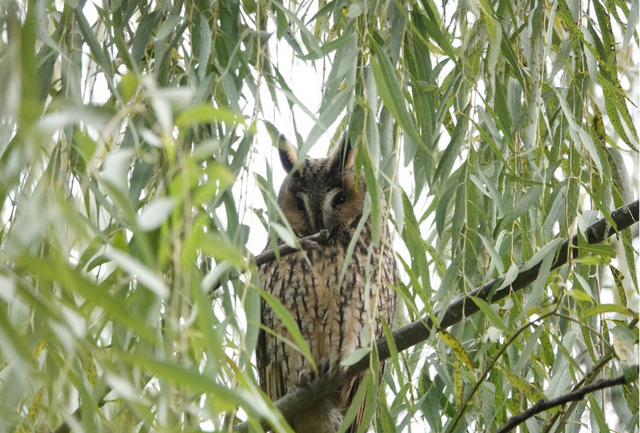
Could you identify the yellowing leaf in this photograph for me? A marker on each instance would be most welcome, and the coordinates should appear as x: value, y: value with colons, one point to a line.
x: 580, y: 295
x: 457, y: 382
x: 529, y: 390
x: 618, y: 277
x: 88, y: 366
x: 624, y: 343
x: 457, y: 348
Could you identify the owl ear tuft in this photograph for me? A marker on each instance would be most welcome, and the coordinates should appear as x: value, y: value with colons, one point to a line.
x: 342, y: 157
x: 288, y: 153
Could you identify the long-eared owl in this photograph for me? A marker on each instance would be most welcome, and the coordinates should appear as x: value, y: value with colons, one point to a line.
x: 336, y: 312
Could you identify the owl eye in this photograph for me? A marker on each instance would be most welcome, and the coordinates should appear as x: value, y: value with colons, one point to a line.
x: 300, y: 204
x: 339, y: 199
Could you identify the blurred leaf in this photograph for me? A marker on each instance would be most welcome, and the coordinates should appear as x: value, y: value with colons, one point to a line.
x: 224, y: 251
x: 155, y: 214
x: 208, y: 114
x: 372, y: 188
x: 146, y: 276
x: 73, y: 282
x: 116, y: 168
x: 355, y: 356
x: 183, y: 375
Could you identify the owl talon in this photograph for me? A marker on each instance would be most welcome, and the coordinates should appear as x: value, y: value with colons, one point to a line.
x: 305, y: 378
x: 323, y: 367
x: 308, y: 378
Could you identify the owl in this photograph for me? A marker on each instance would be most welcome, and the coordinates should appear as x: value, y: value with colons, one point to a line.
x: 336, y: 312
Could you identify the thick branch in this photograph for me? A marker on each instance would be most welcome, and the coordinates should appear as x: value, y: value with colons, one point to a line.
x: 419, y: 331
x: 543, y: 405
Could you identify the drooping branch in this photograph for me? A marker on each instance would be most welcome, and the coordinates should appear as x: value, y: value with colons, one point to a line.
x: 306, y: 243
x: 420, y: 330
x: 575, y: 395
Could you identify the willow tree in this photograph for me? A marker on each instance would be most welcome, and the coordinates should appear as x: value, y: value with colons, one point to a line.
x: 495, y: 130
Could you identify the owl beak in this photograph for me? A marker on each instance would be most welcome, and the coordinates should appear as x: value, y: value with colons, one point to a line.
x: 325, y: 221
x: 318, y: 221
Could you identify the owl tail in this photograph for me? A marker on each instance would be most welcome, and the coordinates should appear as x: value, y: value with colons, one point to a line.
x: 323, y: 417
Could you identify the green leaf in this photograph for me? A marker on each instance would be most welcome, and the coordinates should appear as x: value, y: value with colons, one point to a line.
x: 173, y: 372
x: 168, y: 26
x: 608, y: 308
x: 356, y: 402
x: 224, y: 251
x: 391, y: 93
x: 489, y: 313
x: 355, y: 356
x: 75, y: 283
x: 374, y: 194
x: 524, y: 204
x: 495, y: 257
x: 207, y: 114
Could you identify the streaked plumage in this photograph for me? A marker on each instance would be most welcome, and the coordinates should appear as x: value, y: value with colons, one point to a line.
x: 335, y: 315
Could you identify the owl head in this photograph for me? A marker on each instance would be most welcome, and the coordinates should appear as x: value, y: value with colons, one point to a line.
x: 321, y: 193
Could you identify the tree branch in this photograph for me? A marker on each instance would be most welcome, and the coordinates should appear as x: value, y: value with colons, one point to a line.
x: 308, y: 243
x: 543, y: 405
x: 419, y: 331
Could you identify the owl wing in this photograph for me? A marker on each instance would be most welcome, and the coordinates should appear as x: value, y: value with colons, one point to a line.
x: 272, y: 380
x: 262, y: 360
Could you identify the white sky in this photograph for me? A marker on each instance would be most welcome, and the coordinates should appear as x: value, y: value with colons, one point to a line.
x: 306, y: 83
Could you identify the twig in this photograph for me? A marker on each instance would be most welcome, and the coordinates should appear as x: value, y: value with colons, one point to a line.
x: 419, y: 331
x: 543, y: 405
x: 307, y: 243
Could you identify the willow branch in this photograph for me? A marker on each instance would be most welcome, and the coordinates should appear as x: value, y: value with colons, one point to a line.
x: 543, y: 405
x: 307, y: 243
x: 420, y: 330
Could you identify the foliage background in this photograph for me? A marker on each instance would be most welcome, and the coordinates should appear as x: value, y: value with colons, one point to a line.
x: 132, y: 145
